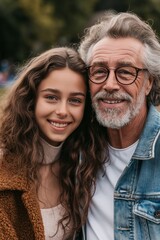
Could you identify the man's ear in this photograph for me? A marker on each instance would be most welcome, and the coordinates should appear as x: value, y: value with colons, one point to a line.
x: 149, y: 85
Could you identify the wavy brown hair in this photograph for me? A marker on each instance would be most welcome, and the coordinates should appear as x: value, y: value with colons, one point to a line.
x: 81, y: 156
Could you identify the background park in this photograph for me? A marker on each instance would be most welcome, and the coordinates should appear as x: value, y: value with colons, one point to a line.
x: 29, y: 27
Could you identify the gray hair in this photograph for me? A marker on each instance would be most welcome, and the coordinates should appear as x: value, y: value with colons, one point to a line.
x: 122, y: 25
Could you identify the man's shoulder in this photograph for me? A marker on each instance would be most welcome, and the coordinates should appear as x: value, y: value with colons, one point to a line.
x: 158, y: 108
x: 153, y: 118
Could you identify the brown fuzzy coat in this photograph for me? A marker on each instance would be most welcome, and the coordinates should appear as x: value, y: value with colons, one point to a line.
x: 20, y: 217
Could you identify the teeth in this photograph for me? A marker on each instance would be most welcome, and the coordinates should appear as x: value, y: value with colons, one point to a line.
x: 60, y: 125
x: 112, y: 102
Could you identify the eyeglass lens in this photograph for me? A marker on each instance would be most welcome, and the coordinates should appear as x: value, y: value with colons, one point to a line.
x: 124, y: 75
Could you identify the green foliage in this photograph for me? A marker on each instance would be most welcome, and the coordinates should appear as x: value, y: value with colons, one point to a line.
x: 26, y: 25
x: 74, y: 15
x: 31, y: 26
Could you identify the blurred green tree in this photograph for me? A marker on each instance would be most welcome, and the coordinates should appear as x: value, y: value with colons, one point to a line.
x: 29, y: 26
x: 25, y: 25
x: 74, y: 16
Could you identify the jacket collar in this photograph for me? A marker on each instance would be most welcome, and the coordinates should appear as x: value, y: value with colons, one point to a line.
x: 10, y: 181
x: 146, y: 146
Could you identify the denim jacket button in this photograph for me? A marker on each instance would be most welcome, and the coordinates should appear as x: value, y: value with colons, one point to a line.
x: 157, y: 214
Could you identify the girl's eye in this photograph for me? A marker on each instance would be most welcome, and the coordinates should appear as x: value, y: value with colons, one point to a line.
x: 75, y: 101
x: 51, y: 97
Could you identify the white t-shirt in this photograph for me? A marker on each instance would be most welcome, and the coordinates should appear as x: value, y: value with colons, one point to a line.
x: 100, y: 218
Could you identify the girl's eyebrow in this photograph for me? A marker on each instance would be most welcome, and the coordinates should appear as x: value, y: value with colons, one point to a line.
x: 58, y: 92
x: 50, y: 90
x: 78, y: 93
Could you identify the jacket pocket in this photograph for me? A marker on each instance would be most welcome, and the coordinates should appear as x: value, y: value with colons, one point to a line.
x: 149, y: 210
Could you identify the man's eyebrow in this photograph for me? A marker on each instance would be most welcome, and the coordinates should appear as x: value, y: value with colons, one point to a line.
x: 100, y: 63
x: 51, y: 90
x: 119, y: 63
x: 124, y: 63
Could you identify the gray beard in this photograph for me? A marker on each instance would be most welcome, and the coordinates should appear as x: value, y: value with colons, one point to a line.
x: 116, y: 118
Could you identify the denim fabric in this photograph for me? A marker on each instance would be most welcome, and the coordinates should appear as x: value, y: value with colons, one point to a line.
x: 137, y: 192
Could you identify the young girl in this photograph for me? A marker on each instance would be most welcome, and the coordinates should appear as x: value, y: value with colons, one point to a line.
x: 44, y: 183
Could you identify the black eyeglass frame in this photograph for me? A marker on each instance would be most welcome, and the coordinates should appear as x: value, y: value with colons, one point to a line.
x: 115, y: 70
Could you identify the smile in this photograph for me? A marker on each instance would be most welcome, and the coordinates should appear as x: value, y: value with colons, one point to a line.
x: 59, y: 125
x: 112, y: 101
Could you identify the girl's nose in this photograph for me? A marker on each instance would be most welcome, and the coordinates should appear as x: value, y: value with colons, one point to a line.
x: 62, y: 109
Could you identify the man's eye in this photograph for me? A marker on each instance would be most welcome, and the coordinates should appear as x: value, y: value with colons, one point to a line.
x: 100, y: 71
x: 123, y: 71
x: 126, y: 71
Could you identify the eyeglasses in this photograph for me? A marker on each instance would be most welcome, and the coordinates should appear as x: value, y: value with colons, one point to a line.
x: 124, y: 75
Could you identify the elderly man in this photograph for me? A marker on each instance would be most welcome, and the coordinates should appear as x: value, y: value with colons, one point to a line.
x: 123, y: 58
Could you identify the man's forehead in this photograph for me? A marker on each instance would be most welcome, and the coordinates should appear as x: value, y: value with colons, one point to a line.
x: 121, y: 50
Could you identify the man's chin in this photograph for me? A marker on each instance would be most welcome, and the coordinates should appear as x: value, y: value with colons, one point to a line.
x: 115, y: 121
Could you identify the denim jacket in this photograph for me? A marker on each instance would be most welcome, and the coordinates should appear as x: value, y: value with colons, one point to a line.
x: 137, y: 192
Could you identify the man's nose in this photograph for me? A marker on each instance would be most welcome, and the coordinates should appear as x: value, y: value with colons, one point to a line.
x: 111, y: 83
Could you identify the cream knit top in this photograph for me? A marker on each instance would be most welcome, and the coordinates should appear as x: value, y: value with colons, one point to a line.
x: 51, y: 216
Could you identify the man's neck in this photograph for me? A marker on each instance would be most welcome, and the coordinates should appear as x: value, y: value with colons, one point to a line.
x: 129, y: 134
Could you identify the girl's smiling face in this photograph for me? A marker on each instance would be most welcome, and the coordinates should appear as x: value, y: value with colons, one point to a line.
x: 60, y: 104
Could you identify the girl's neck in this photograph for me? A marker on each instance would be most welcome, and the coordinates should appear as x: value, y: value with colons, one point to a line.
x: 51, y: 153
